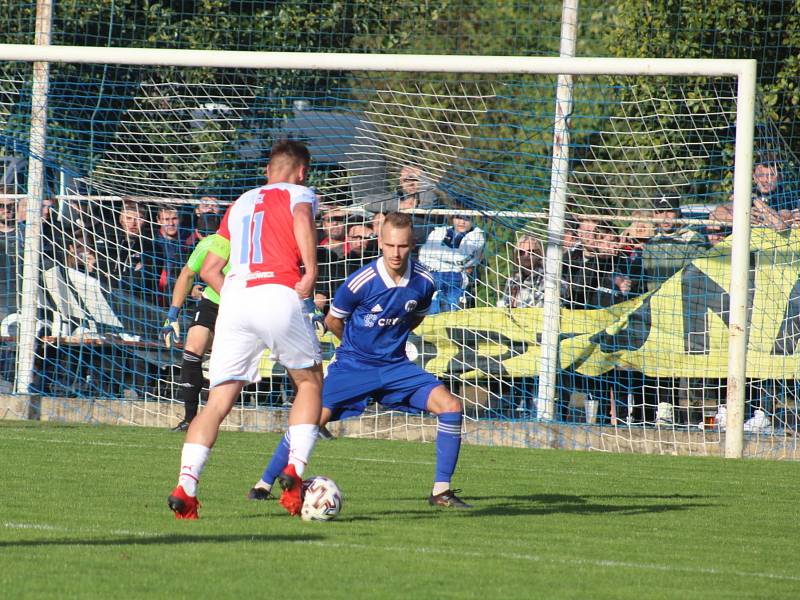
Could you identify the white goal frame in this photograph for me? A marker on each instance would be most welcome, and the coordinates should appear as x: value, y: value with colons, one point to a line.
x: 743, y: 70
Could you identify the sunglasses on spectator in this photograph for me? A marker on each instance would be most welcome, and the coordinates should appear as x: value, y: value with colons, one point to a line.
x: 361, y: 237
x: 6, y: 205
x: 333, y: 219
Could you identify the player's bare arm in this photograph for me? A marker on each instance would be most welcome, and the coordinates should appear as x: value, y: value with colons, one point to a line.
x: 183, y: 286
x: 335, y: 325
x: 211, y: 271
x: 306, y: 235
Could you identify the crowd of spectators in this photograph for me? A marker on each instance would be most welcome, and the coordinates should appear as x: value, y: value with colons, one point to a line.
x: 610, y: 260
x: 136, y: 251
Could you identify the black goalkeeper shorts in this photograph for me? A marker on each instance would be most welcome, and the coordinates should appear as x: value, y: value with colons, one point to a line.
x: 206, y: 314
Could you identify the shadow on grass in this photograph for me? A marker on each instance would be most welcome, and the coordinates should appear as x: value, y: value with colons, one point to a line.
x: 626, y: 504
x: 548, y: 504
x: 166, y: 540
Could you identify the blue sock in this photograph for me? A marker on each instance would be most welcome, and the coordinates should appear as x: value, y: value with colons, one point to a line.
x: 448, y: 445
x: 278, y: 462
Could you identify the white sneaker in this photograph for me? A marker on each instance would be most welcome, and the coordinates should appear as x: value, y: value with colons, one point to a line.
x: 721, y: 417
x: 664, y: 414
x: 758, y: 423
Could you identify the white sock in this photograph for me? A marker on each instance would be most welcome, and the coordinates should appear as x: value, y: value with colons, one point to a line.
x: 263, y: 485
x: 193, y: 461
x: 439, y: 487
x: 301, y: 443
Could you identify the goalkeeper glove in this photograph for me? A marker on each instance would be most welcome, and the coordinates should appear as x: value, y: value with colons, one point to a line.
x: 315, y: 316
x: 171, y: 329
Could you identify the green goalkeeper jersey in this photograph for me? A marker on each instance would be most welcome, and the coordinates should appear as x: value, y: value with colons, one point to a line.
x: 216, y: 244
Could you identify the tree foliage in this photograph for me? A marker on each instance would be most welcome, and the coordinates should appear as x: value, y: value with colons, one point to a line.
x: 766, y: 31
x: 509, y: 164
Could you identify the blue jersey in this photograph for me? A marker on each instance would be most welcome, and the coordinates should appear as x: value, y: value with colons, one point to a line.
x: 379, y: 313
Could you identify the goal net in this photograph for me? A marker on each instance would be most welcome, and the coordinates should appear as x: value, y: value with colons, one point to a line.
x: 141, y: 161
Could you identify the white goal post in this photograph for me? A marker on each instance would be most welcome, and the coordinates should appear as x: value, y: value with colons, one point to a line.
x: 743, y: 70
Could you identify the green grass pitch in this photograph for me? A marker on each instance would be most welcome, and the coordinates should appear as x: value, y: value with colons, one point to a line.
x: 83, y: 515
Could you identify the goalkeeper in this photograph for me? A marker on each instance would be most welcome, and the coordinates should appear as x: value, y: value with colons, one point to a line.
x: 201, y: 330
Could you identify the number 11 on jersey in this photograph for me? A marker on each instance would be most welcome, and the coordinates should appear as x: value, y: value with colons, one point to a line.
x: 251, y: 252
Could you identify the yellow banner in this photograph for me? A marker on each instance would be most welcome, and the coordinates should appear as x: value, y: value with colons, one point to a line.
x: 679, y: 330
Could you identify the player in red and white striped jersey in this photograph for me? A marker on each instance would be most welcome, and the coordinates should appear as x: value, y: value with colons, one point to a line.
x: 272, y: 234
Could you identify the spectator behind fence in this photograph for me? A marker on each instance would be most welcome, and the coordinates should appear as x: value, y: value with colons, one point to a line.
x: 769, y: 191
x: 451, y: 254
x: 771, y: 205
x: 672, y: 246
x: 80, y: 256
x: 334, y: 230
x: 594, y: 276
x: 170, y: 253
x: 361, y: 247
x: 207, y: 205
x: 330, y: 255
x: 629, y: 260
x: 525, y: 288
x: 415, y: 190
x: 591, y: 275
x: 415, y: 187
x: 126, y: 255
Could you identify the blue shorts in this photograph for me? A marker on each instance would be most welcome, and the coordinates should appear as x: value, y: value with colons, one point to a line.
x: 349, y: 385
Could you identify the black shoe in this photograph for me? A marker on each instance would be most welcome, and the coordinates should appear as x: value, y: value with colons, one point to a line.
x: 182, y: 426
x: 448, y: 499
x: 259, y: 494
x: 324, y: 434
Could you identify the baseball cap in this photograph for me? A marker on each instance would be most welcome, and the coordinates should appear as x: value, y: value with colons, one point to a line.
x: 208, y: 223
x: 667, y: 202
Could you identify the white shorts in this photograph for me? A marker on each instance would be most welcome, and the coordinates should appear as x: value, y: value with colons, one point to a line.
x: 253, y: 319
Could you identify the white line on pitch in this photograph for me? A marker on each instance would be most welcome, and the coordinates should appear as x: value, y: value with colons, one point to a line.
x: 540, y: 468
x: 556, y: 560
x: 44, y: 527
x: 177, y: 448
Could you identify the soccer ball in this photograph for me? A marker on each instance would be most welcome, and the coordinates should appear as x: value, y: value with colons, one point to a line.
x: 322, y: 499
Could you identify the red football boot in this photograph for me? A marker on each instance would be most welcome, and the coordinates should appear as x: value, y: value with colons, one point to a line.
x: 292, y: 486
x: 182, y: 504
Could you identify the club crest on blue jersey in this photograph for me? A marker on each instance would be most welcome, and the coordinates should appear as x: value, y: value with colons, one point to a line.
x: 411, y: 305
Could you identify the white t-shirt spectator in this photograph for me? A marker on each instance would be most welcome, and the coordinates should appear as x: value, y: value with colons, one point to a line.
x: 457, y: 257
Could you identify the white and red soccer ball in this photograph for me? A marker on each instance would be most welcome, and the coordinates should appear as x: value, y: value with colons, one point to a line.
x: 322, y: 499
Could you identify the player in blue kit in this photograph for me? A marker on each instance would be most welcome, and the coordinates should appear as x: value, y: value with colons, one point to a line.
x: 372, y: 314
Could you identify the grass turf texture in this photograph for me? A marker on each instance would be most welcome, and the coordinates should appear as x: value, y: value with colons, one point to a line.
x: 83, y: 514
